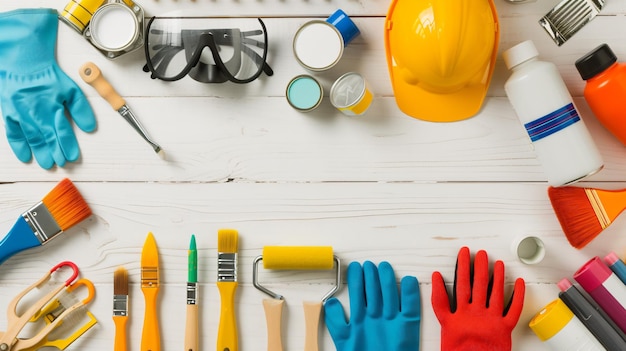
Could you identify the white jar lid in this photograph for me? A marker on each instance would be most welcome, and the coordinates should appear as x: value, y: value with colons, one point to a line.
x: 519, y: 53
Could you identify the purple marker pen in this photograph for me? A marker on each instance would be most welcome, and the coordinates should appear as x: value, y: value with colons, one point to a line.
x: 605, y: 288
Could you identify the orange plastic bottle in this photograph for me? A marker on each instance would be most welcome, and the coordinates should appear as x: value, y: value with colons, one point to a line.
x: 605, y: 90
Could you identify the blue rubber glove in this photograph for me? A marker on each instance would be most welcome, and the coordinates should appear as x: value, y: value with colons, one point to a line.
x: 380, y: 318
x: 34, y: 91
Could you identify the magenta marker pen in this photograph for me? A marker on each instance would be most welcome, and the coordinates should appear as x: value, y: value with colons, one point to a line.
x: 605, y: 288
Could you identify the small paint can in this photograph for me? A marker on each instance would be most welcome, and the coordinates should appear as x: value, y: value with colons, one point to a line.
x: 78, y: 13
x: 304, y: 93
x: 350, y: 94
x: 318, y: 45
x: 114, y: 27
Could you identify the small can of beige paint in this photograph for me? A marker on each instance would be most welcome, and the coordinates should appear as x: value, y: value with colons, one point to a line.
x: 350, y: 94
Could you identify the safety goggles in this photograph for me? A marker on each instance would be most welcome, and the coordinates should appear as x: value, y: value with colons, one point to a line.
x: 234, y: 50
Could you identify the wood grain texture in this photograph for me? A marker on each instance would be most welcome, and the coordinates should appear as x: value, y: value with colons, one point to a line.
x: 382, y: 186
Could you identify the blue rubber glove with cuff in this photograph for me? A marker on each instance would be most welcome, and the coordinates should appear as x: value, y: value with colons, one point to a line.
x: 35, y: 92
x: 381, y: 319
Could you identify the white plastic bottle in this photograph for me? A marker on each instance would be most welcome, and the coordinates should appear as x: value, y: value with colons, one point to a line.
x: 544, y: 106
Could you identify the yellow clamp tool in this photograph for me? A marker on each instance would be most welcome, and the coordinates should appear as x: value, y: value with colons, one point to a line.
x: 70, y: 324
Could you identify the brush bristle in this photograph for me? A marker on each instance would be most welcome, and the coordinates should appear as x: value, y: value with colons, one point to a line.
x: 66, y: 204
x: 120, y: 281
x: 227, y: 240
x: 576, y: 214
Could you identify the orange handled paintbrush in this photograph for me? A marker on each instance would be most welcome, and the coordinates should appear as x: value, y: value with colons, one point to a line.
x: 150, y: 281
x: 62, y: 208
x: 120, y: 308
x: 585, y: 212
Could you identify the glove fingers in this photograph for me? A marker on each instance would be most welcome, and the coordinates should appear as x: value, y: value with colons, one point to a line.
x: 373, y: 294
x: 439, y: 297
x: 66, y: 147
x: 462, y: 279
x: 335, y: 318
x: 514, y: 310
x: 38, y: 145
x: 481, y: 278
x: 17, y: 140
x: 77, y: 104
x: 410, y: 297
x: 496, y: 300
x: 389, y: 290
x: 356, y: 291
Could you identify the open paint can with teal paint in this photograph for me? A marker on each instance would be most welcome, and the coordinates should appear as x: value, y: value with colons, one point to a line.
x: 304, y: 93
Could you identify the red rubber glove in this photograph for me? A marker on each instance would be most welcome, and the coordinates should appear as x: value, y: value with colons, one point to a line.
x: 476, y: 317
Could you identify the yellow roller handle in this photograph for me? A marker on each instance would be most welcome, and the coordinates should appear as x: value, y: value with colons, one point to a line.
x: 92, y: 75
x: 298, y: 257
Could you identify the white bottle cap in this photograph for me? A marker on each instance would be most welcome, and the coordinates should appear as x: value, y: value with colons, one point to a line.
x: 528, y: 249
x: 521, y: 52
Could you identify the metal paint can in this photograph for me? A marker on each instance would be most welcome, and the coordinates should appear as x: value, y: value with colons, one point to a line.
x: 350, y: 94
x: 304, y: 93
x: 318, y: 45
x: 114, y: 27
x: 78, y: 13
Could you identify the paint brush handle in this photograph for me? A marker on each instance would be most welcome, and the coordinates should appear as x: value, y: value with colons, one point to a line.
x: 120, y: 333
x: 227, y: 331
x: 191, y: 328
x: 19, y: 238
x: 273, y: 316
x: 92, y: 75
x: 150, y: 337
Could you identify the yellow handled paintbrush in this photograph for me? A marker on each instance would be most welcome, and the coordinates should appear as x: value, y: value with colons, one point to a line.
x: 227, y: 242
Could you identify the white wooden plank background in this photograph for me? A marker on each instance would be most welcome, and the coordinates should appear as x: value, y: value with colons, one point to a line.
x: 382, y: 186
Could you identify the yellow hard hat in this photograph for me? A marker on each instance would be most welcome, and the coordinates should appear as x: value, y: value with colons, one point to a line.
x: 441, y: 55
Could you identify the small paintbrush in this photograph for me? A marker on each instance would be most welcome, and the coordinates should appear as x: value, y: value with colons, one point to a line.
x: 120, y: 307
x: 191, y: 326
x: 585, y: 212
x: 227, y: 246
x: 62, y: 208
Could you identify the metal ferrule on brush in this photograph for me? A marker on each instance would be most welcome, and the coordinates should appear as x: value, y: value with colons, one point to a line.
x: 192, y: 293
x: 120, y: 305
x: 42, y: 223
x: 226, y: 267
x: 129, y: 116
x: 149, y: 277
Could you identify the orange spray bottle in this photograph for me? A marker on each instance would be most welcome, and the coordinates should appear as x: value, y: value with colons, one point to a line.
x: 605, y: 90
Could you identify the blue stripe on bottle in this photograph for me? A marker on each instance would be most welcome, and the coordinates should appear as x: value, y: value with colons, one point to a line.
x: 552, y: 122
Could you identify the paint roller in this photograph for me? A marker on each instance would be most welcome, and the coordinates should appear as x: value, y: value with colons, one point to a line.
x: 295, y: 258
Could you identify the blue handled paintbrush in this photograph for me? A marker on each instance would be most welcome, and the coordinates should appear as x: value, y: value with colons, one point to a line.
x: 62, y: 208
